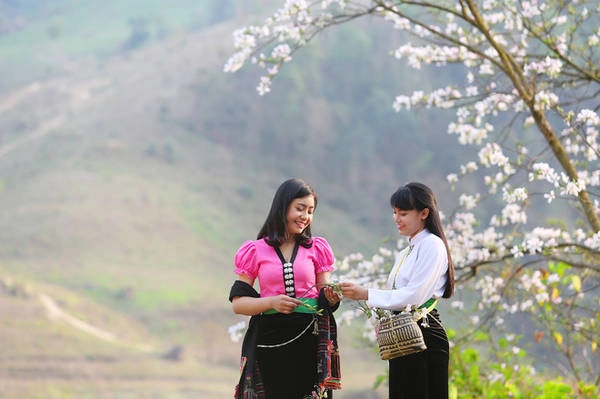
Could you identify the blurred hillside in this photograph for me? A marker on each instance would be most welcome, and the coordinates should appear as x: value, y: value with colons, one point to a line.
x: 132, y: 168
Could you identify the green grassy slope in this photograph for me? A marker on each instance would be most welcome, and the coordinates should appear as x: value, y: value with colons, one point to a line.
x: 128, y: 220
x: 97, y: 180
x: 78, y: 349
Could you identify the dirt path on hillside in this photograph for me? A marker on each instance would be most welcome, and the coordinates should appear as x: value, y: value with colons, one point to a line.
x: 77, y: 94
x: 56, y: 313
x: 15, y: 98
x: 40, y: 132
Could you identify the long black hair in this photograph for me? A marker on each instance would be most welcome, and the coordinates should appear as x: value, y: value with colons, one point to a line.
x: 418, y: 196
x: 274, y: 228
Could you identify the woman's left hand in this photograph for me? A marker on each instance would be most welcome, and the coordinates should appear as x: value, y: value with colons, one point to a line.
x: 332, y: 296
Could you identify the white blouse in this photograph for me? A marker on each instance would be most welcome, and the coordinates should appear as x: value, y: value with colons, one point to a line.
x: 422, y: 274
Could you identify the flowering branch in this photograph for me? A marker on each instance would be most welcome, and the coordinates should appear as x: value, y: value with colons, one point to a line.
x: 527, y: 109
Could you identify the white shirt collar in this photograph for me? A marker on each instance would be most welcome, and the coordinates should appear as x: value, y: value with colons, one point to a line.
x: 419, y: 237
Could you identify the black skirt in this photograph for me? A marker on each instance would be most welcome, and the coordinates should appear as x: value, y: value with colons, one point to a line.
x: 423, y: 375
x: 289, y: 369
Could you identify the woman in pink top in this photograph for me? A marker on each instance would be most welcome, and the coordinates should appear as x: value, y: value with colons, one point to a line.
x: 284, y: 354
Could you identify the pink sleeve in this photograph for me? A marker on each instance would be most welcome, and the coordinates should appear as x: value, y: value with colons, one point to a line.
x: 323, y: 255
x: 245, y: 260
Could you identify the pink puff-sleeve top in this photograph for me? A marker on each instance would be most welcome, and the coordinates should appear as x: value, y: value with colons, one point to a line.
x: 257, y: 259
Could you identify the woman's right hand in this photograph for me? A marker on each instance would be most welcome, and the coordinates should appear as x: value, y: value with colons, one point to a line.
x: 284, y: 304
x: 354, y: 291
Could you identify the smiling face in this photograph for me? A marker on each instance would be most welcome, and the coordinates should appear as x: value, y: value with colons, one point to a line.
x: 410, y: 222
x: 299, y: 215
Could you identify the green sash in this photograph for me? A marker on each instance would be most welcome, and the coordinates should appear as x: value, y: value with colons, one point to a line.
x: 310, y: 306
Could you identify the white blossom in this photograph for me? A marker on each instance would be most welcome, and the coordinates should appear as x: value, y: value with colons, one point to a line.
x: 236, y: 331
x: 588, y: 117
x: 452, y: 178
x: 468, y: 201
x: 264, y: 85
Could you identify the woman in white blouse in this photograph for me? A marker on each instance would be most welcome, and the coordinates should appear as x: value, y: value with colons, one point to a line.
x: 422, y: 273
